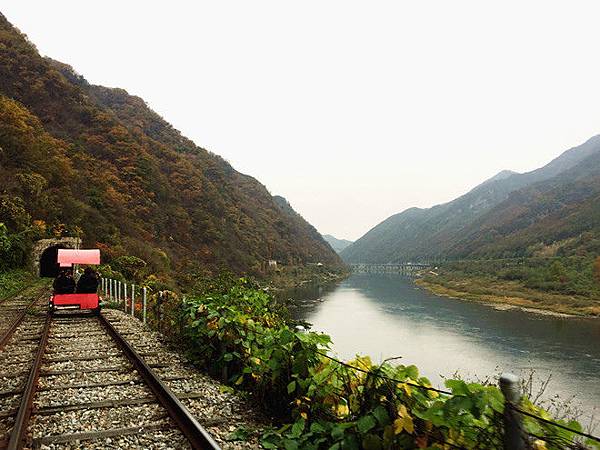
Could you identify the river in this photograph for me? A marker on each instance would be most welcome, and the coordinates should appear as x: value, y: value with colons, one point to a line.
x: 388, y: 316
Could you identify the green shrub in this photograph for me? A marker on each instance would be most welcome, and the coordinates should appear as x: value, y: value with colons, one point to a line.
x: 236, y: 333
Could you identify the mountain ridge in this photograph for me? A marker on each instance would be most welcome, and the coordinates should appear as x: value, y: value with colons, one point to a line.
x: 129, y: 181
x: 422, y: 234
x: 337, y: 244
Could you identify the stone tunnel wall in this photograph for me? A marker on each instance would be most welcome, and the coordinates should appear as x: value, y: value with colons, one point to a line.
x: 43, y: 244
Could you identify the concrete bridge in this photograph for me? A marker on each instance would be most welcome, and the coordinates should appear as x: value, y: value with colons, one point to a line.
x: 403, y: 268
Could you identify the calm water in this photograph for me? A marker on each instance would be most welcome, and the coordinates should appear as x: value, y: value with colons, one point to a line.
x: 387, y: 316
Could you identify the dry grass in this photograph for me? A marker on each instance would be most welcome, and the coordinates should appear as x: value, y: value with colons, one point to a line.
x: 511, y: 293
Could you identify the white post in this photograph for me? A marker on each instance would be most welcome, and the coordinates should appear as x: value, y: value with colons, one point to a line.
x: 125, y: 295
x: 144, y: 306
x: 133, y: 300
x: 119, y: 296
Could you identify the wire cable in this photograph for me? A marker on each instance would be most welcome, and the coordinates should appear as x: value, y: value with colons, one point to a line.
x: 550, y: 422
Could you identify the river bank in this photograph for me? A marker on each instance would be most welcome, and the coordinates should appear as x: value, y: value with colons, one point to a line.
x: 386, y: 316
x: 502, y: 294
x: 290, y: 278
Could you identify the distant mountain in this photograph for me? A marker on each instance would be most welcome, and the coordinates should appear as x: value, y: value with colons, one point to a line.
x: 445, y: 230
x: 337, y: 244
x: 558, y: 216
x: 82, y: 159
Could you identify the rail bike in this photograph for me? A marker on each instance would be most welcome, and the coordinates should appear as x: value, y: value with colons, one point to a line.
x: 76, y: 301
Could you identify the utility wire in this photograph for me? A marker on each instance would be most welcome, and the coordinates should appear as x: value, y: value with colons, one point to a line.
x: 385, y: 377
x: 550, y: 422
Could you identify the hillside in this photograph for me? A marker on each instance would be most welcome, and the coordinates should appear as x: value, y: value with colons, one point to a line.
x: 337, y: 244
x: 559, y: 216
x: 83, y: 159
x: 457, y: 228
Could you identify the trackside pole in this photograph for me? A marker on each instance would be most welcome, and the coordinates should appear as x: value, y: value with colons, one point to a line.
x: 133, y: 300
x: 513, y: 426
x: 125, y: 295
x: 144, y: 306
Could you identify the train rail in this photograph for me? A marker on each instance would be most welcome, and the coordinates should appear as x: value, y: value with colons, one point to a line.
x: 85, y: 385
x: 14, y: 310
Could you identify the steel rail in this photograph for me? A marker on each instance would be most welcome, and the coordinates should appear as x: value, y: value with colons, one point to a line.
x: 18, y: 319
x: 19, y: 431
x: 187, y: 423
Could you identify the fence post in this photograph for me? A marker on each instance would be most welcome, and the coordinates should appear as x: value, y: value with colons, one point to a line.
x: 513, y: 426
x: 110, y: 291
x: 133, y: 300
x: 159, y: 301
x: 144, y: 306
x: 119, y: 292
x: 125, y: 294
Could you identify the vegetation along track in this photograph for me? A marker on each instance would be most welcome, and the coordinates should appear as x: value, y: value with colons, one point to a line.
x: 87, y: 386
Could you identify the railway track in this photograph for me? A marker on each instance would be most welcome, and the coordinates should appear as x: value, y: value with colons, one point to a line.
x: 83, y: 385
x: 13, y: 311
x: 22, y: 326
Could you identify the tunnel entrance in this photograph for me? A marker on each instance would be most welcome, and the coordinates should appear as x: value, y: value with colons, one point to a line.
x: 48, y: 265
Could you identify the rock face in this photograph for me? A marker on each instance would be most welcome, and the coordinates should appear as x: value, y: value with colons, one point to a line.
x: 441, y: 231
x: 78, y: 156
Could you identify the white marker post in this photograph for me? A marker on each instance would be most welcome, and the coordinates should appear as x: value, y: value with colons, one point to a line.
x: 144, y: 306
x: 133, y: 300
x: 125, y: 295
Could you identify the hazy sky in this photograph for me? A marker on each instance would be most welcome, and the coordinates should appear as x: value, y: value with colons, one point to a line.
x: 351, y: 110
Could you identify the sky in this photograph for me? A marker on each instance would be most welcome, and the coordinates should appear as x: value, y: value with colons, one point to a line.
x: 353, y: 111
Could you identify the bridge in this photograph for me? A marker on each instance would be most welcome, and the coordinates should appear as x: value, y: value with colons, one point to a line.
x: 402, y: 268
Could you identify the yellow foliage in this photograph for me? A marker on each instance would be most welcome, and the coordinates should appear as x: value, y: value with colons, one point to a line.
x: 342, y: 410
x: 404, y: 422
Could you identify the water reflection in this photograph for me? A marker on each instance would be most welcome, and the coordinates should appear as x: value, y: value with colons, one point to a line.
x: 386, y: 316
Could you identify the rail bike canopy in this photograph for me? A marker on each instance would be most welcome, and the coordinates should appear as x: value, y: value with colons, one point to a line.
x: 68, y: 257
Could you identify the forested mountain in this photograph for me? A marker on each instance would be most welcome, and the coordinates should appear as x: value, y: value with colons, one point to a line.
x: 337, y: 244
x: 509, y: 215
x: 78, y: 158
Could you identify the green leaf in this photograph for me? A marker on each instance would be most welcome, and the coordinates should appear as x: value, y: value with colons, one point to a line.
x: 317, y: 428
x: 291, y: 387
x: 350, y: 443
x: 298, y: 427
x: 381, y: 415
x: 371, y: 442
x: 365, y: 423
x: 290, y: 444
x: 458, y: 387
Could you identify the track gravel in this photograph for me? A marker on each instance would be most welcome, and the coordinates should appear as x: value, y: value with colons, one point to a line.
x: 218, y: 410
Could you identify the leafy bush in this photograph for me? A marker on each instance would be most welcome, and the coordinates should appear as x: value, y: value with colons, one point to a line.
x: 11, y: 282
x: 236, y: 333
x: 13, y: 249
